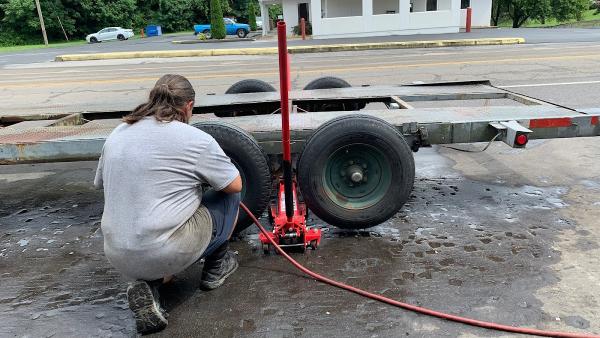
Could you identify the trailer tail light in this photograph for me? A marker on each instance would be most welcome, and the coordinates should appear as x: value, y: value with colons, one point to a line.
x: 521, y: 140
x: 513, y: 133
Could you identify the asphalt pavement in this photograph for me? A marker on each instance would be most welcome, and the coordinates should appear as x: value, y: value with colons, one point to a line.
x: 531, y: 35
x: 507, y: 235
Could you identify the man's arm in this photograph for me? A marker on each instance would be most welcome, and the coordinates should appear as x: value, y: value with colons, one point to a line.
x: 234, y: 187
x: 217, y: 170
x: 98, y: 182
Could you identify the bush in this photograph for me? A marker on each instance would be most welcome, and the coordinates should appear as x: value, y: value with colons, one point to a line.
x: 8, y: 39
x: 252, y: 16
x: 298, y: 31
x: 217, y: 25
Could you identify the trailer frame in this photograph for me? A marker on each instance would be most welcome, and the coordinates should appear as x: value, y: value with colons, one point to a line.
x: 79, y: 134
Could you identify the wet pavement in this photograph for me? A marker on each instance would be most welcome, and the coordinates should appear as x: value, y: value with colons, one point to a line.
x: 508, y: 235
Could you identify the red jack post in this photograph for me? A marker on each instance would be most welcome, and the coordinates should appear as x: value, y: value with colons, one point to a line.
x: 469, y: 15
x: 288, y: 212
x: 142, y: 33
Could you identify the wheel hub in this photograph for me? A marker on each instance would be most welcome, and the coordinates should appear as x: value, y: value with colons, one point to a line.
x: 356, y: 173
x: 357, y: 176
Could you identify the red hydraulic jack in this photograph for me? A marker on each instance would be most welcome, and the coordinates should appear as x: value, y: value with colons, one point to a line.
x: 288, y: 212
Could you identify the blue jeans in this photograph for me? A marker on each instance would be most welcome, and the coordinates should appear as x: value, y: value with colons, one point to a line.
x: 223, y: 210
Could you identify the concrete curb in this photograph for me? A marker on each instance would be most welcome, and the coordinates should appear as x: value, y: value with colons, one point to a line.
x: 189, y: 42
x: 292, y: 50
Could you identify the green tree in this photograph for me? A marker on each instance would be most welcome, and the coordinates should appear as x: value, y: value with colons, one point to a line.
x: 217, y: 26
x: 20, y: 19
x: 499, y: 11
x: 175, y: 15
x: 252, y: 16
x: 564, y: 10
x: 237, y: 8
x: 522, y: 10
x: 275, y: 11
x: 519, y: 11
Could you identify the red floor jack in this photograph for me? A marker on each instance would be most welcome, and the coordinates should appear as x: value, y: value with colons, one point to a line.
x: 288, y: 213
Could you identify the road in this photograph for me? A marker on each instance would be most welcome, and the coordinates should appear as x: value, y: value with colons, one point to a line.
x: 543, y: 69
x: 532, y: 36
x: 506, y: 235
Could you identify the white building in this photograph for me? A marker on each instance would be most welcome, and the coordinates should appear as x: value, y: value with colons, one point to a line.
x: 357, y: 18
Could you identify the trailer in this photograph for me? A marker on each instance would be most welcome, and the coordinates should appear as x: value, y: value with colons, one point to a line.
x: 352, y: 146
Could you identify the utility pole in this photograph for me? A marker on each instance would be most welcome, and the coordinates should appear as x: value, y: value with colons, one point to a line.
x: 39, y: 9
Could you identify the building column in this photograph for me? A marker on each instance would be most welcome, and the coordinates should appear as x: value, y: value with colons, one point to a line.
x: 316, y: 17
x: 264, y: 13
x: 404, y: 11
x: 367, y: 8
x: 455, y: 8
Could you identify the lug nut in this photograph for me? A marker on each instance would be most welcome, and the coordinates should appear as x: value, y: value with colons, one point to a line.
x: 356, y: 177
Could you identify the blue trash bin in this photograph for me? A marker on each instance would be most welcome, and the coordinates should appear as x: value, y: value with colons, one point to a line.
x: 153, y: 30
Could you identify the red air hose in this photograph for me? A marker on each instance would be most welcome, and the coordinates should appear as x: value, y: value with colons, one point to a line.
x: 468, y: 321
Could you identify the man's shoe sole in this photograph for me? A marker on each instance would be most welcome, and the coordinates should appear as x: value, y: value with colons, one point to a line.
x: 207, y: 286
x: 147, y: 313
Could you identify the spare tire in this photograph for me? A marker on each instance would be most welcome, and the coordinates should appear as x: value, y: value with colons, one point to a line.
x: 356, y: 171
x: 244, y: 87
x: 251, y: 161
x: 329, y: 82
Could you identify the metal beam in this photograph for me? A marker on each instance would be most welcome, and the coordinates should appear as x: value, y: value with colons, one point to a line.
x: 442, y: 126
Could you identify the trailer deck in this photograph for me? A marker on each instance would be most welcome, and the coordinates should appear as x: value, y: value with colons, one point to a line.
x: 78, y: 134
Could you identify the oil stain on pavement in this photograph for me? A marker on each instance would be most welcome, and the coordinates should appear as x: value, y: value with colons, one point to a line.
x: 474, y: 240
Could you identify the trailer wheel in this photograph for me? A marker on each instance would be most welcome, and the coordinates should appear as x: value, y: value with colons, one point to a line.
x: 329, y: 82
x: 248, y: 86
x: 356, y: 171
x: 247, y: 155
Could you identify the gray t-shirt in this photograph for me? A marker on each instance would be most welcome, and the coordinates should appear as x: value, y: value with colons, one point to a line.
x: 152, y: 173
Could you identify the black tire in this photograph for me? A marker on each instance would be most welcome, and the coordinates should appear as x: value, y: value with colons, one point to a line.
x: 248, y: 86
x: 206, y: 33
x: 329, y: 82
x: 121, y: 37
x: 251, y: 161
x: 93, y: 39
x: 241, y: 33
x: 340, y: 136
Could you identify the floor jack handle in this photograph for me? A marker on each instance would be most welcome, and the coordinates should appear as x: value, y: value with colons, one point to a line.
x: 284, y: 79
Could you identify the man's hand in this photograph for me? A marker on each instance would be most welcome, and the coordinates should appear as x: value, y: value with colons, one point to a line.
x: 234, y: 187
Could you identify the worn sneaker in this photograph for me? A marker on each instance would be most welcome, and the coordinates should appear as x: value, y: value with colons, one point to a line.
x: 144, y: 303
x: 215, y: 272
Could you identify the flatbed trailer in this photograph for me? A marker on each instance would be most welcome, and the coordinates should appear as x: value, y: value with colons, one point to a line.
x: 352, y: 145
x: 79, y: 135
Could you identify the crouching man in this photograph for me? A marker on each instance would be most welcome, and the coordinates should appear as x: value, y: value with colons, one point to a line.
x: 156, y: 220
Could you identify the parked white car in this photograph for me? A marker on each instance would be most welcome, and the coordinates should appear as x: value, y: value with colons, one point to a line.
x: 259, y: 22
x: 110, y: 33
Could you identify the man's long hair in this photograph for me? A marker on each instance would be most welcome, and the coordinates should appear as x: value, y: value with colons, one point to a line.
x: 166, y: 102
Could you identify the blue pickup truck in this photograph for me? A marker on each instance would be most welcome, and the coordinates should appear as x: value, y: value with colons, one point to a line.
x: 232, y: 27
